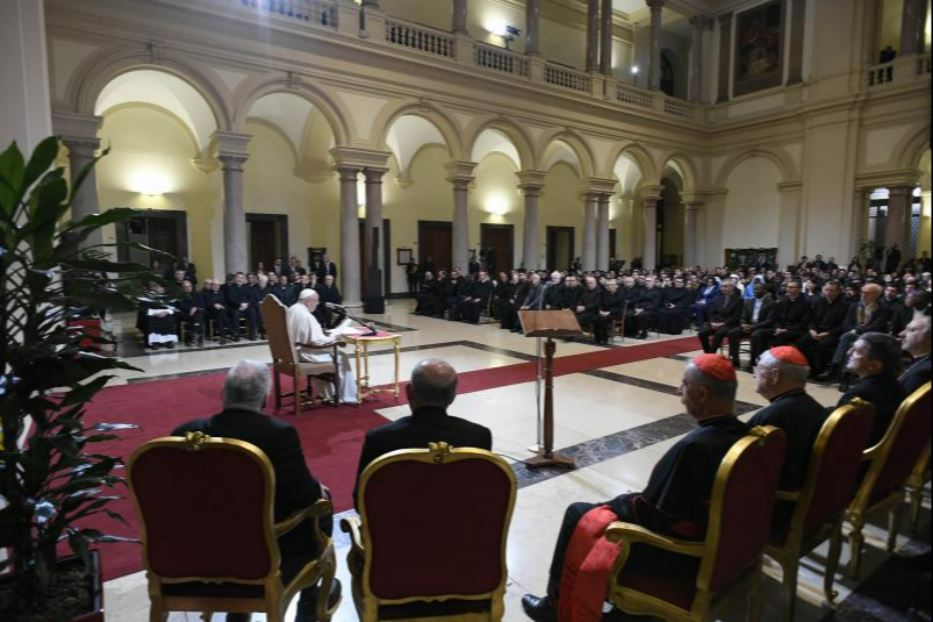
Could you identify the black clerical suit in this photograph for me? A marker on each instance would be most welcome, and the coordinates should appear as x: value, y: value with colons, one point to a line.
x: 427, y: 424
x: 725, y: 310
x: 478, y: 300
x: 589, y: 300
x: 885, y: 393
x: 217, y: 315
x: 825, y: 317
x: 791, y: 317
x: 749, y: 323
x: 328, y: 317
x: 238, y: 295
x: 676, y: 500
x: 570, y: 297
x: 286, y: 294
x: 259, y: 294
x: 917, y: 375
x: 295, y: 487
x: 427, y: 298
x: 554, y: 296
x: 611, y: 308
x: 645, y: 312
x: 672, y: 314
x: 801, y: 417
x: 191, y: 311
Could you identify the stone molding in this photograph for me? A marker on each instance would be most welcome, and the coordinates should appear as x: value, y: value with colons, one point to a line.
x: 359, y: 158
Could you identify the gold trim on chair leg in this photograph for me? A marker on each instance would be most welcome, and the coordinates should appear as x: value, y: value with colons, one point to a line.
x: 832, y: 563
x: 894, y: 517
x: 856, y: 541
x: 916, y: 502
x: 329, y: 567
x: 789, y: 570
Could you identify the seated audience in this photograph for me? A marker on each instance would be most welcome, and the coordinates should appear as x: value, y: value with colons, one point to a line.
x: 705, y: 297
x: 611, y: 308
x: 427, y: 296
x: 477, y: 300
x: 329, y: 295
x: 875, y: 358
x: 827, y: 318
x: 244, y: 395
x: 191, y: 312
x: 676, y: 500
x: 724, y: 315
x: 431, y: 391
x: 917, y: 344
x: 305, y: 329
x: 241, y: 305
x: 156, y: 321
x: 672, y: 315
x: 754, y: 316
x: 866, y: 316
x: 645, y: 312
x: 787, y: 322
x: 587, y: 308
x: 781, y: 377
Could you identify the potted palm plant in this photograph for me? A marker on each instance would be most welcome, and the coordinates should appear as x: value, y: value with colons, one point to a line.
x: 51, y: 480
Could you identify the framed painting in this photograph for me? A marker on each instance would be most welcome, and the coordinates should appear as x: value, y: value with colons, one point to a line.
x: 403, y: 256
x: 759, y: 47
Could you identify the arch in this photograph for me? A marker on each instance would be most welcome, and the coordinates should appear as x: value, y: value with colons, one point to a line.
x: 573, y: 140
x: 426, y: 110
x: 408, y: 134
x: 784, y: 164
x: 282, y: 134
x: 646, y: 166
x: 913, y: 149
x: 254, y: 90
x: 96, y: 72
x: 511, y: 130
x: 685, y: 169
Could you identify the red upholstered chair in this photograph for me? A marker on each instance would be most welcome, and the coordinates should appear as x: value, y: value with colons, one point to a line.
x: 210, y: 542
x: 433, y: 527
x: 891, y: 463
x: 285, y: 359
x: 804, y: 519
x: 682, y: 580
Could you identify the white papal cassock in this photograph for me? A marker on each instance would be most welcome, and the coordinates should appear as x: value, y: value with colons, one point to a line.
x: 303, y: 327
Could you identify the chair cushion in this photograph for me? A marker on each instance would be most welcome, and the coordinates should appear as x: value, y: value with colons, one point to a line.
x: 664, y: 575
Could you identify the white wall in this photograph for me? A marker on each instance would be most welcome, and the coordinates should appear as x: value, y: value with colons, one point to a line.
x: 752, y: 205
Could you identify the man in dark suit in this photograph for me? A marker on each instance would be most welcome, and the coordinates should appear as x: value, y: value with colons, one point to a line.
x: 240, y: 303
x: 781, y: 377
x: 868, y: 315
x: 827, y: 317
x: 244, y: 394
x: 754, y: 316
x: 326, y: 268
x: 725, y: 313
x: 787, y: 322
x: 917, y: 344
x: 874, y: 359
x: 430, y: 392
x: 478, y: 300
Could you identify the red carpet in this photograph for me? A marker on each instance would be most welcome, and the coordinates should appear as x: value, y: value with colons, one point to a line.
x: 331, y: 437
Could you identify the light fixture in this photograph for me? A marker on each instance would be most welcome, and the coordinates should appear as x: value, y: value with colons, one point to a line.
x: 149, y: 182
x: 503, y: 29
x: 634, y: 69
x: 497, y: 204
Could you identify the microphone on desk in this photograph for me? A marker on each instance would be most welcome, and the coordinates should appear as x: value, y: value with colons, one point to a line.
x: 369, y: 325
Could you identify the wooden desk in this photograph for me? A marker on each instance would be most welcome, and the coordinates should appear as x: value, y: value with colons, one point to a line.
x: 361, y: 345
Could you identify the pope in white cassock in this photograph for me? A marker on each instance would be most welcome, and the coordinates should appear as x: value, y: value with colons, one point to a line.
x: 303, y: 327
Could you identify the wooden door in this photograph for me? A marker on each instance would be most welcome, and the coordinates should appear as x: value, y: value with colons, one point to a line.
x: 435, y: 240
x: 497, y: 242
x: 384, y: 248
x: 560, y: 248
x: 267, y: 235
x: 612, y: 244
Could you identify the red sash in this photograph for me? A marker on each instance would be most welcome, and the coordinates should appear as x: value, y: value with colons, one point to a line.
x: 587, y: 566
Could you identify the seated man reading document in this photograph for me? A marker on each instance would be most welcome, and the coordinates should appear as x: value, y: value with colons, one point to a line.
x: 305, y: 329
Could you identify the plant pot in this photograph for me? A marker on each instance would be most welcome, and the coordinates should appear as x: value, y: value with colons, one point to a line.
x: 94, y: 611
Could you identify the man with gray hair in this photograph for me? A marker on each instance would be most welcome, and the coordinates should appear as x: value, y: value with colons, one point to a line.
x: 875, y: 359
x: 781, y: 376
x: 917, y: 344
x: 244, y: 395
x: 430, y: 392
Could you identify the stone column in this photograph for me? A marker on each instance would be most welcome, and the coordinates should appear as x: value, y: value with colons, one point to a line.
x: 78, y: 132
x: 650, y: 252
x: 459, y: 26
x: 605, y: 39
x: 897, y: 227
x: 602, y: 232
x: 654, y: 45
x: 531, y: 183
x: 373, y: 227
x: 725, y: 56
x: 460, y: 174
x: 25, y: 108
x: 349, y: 237
x: 592, y: 35
x: 232, y: 153
x: 912, y: 24
x: 795, y: 59
x: 691, y: 209
x: 588, y: 255
x: 532, y: 27
x: 700, y: 24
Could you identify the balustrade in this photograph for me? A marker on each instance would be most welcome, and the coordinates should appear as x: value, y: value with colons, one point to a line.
x: 421, y: 38
x: 319, y: 12
x: 567, y: 78
x: 635, y: 97
x: 492, y: 57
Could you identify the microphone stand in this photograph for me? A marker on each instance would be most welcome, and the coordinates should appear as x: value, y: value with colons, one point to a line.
x: 538, y: 374
x: 360, y: 321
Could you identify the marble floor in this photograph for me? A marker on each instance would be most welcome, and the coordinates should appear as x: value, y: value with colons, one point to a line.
x: 616, y: 421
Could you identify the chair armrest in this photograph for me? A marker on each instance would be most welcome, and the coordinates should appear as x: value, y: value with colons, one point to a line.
x: 788, y: 495
x: 351, y: 526
x: 629, y: 533
x: 318, y: 509
x: 871, y: 452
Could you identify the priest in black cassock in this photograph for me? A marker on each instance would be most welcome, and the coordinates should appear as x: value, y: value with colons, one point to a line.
x: 673, y: 312
x: 478, y: 299
x: 724, y: 315
x: 781, y: 376
x: 676, y: 500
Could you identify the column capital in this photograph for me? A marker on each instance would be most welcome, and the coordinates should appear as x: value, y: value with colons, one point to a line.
x: 656, y: 5
x: 374, y: 174
x: 76, y: 128
x: 460, y: 171
x: 360, y: 158
x: 790, y: 186
x: 701, y: 22
x: 651, y: 194
x: 231, y: 144
x: 531, y: 181
x: 900, y: 190
x: 596, y: 185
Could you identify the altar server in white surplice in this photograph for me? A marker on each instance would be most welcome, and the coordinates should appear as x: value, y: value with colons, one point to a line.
x: 303, y: 327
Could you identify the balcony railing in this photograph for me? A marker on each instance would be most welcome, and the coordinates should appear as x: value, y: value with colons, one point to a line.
x: 318, y: 12
x: 901, y: 70
x: 491, y: 57
x: 635, y: 96
x: 567, y: 78
x: 421, y: 38
x: 678, y: 107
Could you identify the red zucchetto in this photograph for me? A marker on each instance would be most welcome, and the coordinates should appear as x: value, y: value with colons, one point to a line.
x: 789, y: 355
x: 715, y: 366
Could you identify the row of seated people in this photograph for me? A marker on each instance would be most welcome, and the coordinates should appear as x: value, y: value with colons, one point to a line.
x: 455, y: 296
x: 164, y: 318
x: 675, y: 501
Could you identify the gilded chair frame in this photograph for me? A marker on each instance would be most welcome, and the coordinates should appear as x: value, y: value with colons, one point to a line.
x: 915, y: 483
x: 276, y: 595
x: 286, y: 360
x: 367, y: 603
x: 861, y: 507
x: 747, y: 581
x: 796, y: 543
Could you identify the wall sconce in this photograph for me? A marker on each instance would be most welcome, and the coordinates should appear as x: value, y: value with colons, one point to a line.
x: 149, y: 183
x: 497, y: 204
x: 506, y: 31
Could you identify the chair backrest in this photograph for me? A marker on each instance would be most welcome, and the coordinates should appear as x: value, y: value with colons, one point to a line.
x: 435, y: 523
x: 741, y: 505
x: 274, y: 318
x: 899, y: 449
x: 205, y: 507
x: 835, y: 462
